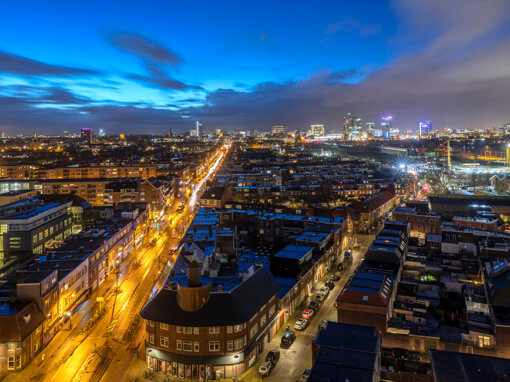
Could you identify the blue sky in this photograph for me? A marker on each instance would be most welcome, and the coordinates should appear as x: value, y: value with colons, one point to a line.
x: 137, y: 67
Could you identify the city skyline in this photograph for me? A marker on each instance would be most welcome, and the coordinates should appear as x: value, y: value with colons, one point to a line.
x: 123, y: 69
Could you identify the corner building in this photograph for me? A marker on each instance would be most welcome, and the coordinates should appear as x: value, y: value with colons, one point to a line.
x: 199, y: 328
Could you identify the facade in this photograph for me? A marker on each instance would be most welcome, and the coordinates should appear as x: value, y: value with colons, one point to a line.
x: 30, y: 225
x: 21, y: 334
x: 317, y: 130
x: 421, y: 223
x: 279, y: 129
x: 199, y: 329
x: 95, y: 172
x: 86, y: 135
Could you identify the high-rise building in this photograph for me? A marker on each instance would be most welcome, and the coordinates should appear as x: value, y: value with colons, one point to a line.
x: 199, y: 129
x: 370, y: 129
x: 425, y: 128
x: 386, y: 125
x: 352, y: 127
x: 86, y: 135
x: 317, y: 130
x: 279, y: 129
x: 193, y: 132
x: 102, y: 133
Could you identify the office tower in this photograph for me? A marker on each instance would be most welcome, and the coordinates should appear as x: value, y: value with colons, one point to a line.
x: 425, y: 128
x: 193, y: 132
x: 199, y: 129
x: 279, y: 129
x: 352, y: 126
x: 370, y: 129
x: 317, y: 130
x: 170, y: 134
x: 386, y: 125
x: 102, y: 133
x: 86, y: 135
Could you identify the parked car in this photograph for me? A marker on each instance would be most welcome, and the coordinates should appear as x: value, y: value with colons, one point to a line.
x: 334, y: 277
x: 265, y: 368
x: 287, y: 338
x: 340, y: 267
x: 273, y: 356
x: 301, y: 324
x: 323, y: 324
x: 347, y: 255
x: 330, y: 285
x: 319, y: 297
x: 307, y: 314
x: 306, y: 375
x: 324, y: 290
x: 314, y: 305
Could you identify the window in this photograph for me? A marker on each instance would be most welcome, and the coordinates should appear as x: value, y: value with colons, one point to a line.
x: 151, y: 338
x: 214, y: 330
x: 239, y: 343
x: 179, y: 345
x: 163, y: 341
x: 214, y: 345
x: 151, y: 323
x: 230, y: 345
x: 187, y: 345
x: 271, y: 310
x: 163, y: 326
x: 262, y: 320
x: 187, y: 329
x: 196, y: 346
x: 18, y: 361
x: 238, y: 328
x: 10, y: 364
x: 196, y: 330
x: 179, y: 329
x: 230, y: 329
x: 253, y: 330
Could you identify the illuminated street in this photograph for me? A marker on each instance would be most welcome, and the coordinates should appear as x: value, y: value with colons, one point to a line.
x: 73, y: 356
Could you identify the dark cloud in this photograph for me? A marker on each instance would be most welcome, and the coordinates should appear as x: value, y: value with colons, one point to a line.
x: 163, y: 82
x: 155, y: 58
x: 144, y: 48
x: 22, y: 66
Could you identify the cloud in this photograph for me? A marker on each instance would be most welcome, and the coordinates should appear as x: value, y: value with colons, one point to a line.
x: 163, y: 82
x: 156, y: 60
x: 22, y: 66
x: 144, y: 48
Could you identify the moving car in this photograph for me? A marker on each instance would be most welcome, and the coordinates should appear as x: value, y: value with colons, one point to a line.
x: 265, y: 368
x: 307, y: 313
x: 301, y: 324
x: 323, y: 324
x: 287, y: 339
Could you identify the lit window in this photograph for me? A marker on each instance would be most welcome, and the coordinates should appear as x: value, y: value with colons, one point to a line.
x: 163, y: 341
x: 214, y: 345
x: 214, y: 330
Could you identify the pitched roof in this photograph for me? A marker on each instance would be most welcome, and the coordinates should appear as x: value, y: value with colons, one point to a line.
x: 222, y: 308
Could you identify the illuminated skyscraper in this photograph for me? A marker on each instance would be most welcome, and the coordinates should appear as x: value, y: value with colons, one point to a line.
x: 353, y: 127
x: 425, y: 129
x: 317, y: 130
x: 199, y: 129
x: 386, y: 125
x: 86, y: 135
x: 370, y: 129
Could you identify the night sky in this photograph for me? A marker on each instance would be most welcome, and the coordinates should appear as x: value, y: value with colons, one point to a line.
x: 146, y: 67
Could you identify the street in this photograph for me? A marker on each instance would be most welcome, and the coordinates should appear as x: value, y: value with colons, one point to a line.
x: 104, y: 353
x: 298, y: 357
